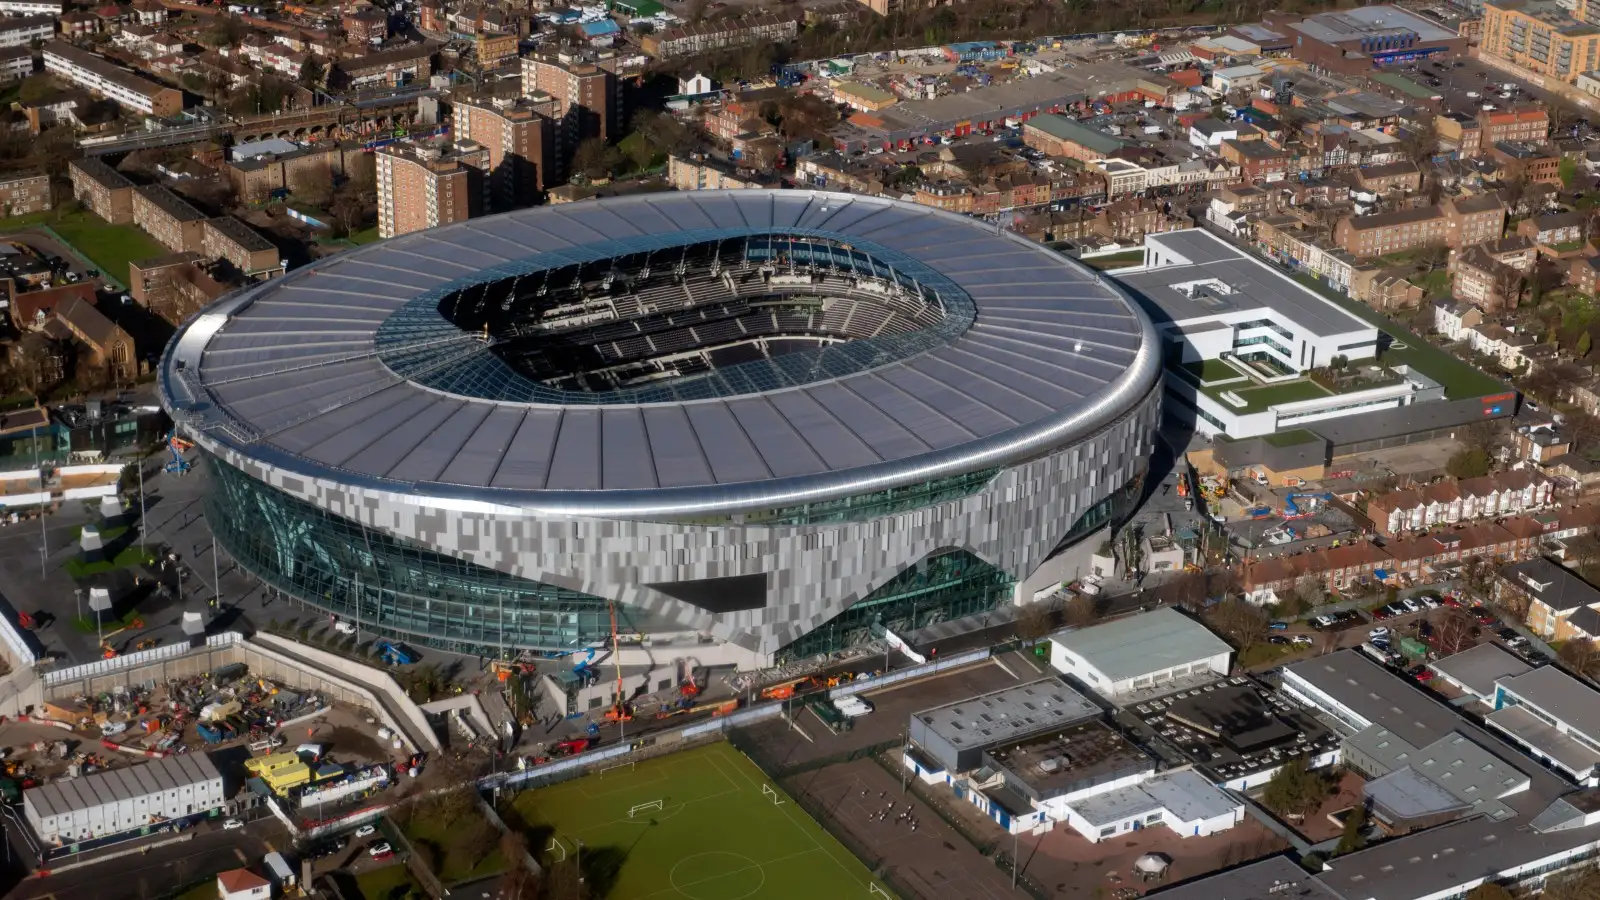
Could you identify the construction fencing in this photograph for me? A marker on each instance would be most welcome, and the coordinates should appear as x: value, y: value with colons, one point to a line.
x: 102, y: 667
x: 922, y: 671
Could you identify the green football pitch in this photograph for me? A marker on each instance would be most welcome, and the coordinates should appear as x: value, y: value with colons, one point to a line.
x: 704, y: 824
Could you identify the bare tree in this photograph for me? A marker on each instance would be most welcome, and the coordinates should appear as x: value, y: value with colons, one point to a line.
x: 1453, y: 632
x: 1240, y: 621
x: 1037, y: 619
x: 1580, y: 655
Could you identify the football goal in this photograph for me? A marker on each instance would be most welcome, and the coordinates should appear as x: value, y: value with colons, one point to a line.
x: 643, y: 807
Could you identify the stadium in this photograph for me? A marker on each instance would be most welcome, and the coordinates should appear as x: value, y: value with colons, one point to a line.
x: 775, y: 422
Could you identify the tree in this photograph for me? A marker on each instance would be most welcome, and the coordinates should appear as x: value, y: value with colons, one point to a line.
x: 1452, y: 632
x: 1489, y: 891
x: 518, y: 882
x: 662, y: 131
x: 1036, y: 620
x: 1472, y: 463
x: 35, y: 88
x: 1354, y: 836
x: 1080, y: 611
x: 316, y: 186
x: 595, y: 159
x: 1239, y: 621
x: 312, y: 72
x: 1581, y: 884
x: 1295, y: 790
x: 1580, y: 655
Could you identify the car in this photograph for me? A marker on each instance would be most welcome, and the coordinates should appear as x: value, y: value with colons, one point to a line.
x: 1381, y: 613
x: 1380, y: 632
x: 1506, y: 634
x: 231, y: 824
x: 1323, y: 621
x: 1278, y: 639
x: 1489, y: 622
x: 1473, y: 95
x: 344, y: 627
x: 1459, y: 64
x: 380, y: 850
x: 366, y: 831
x: 1278, y: 626
x: 1301, y: 640
x: 1423, y: 675
x: 1411, y: 605
x: 1450, y: 601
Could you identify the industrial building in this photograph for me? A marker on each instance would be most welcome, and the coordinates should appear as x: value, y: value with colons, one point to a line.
x: 106, y: 803
x: 784, y: 420
x: 1555, y: 717
x: 1148, y: 652
x: 1477, y: 670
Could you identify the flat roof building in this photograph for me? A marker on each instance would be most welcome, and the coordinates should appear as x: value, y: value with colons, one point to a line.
x: 1555, y: 717
x: 955, y: 735
x: 120, y: 800
x: 1237, y: 332
x: 1477, y: 670
x: 1140, y: 653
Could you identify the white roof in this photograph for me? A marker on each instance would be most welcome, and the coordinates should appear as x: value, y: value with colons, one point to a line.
x: 1139, y: 645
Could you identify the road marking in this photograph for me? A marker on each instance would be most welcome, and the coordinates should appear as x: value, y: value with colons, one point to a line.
x: 240, y: 853
x: 996, y: 661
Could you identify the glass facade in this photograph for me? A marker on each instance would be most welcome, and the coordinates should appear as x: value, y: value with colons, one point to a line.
x: 949, y: 584
x: 863, y: 506
x: 393, y: 587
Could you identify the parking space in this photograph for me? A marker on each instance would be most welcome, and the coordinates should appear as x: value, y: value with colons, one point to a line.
x: 1470, y: 87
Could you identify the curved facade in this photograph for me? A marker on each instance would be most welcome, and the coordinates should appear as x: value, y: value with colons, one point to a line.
x: 780, y: 418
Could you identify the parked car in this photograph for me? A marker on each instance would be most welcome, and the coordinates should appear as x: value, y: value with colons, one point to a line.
x: 366, y: 831
x: 1507, y: 634
x: 1278, y: 639
x: 380, y: 850
x: 1301, y: 640
x: 231, y: 824
x: 1278, y: 626
x: 1411, y: 605
x: 1381, y: 631
x: 1323, y: 622
x: 1381, y: 613
x: 1429, y: 602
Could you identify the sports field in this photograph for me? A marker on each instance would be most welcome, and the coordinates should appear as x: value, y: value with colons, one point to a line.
x: 721, y: 832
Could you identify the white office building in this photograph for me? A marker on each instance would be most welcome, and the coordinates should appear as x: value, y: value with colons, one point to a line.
x: 1240, y: 338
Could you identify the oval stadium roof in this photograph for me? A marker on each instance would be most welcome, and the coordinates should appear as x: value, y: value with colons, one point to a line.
x: 290, y: 374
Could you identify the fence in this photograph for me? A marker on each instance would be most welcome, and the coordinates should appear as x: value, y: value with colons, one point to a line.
x: 943, y: 665
x: 102, y: 667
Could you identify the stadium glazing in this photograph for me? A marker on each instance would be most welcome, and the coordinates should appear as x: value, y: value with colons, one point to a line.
x: 786, y: 419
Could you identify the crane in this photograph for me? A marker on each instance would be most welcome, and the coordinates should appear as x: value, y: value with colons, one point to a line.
x: 619, y: 711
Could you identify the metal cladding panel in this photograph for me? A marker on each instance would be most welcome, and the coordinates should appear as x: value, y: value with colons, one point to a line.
x: 885, y: 437
x: 802, y: 411
x: 782, y: 447
x: 958, y: 403
x: 323, y: 439
x: 680, y: 458
x: 625, y: 450
x: 526, y: 463
x: 440, y: 447
x: 577, y: 446
x: 477, y: 460
x: 733, y: 457
x: 417, y: 436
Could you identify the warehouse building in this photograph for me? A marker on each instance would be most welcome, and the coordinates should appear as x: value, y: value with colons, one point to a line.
x: 1139, y: 654
x: 119, y: 800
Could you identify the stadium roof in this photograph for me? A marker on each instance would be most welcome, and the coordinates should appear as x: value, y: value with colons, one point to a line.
x: 290, y: 374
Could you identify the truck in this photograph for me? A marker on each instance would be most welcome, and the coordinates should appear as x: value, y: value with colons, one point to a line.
x: 394, y: 654
x: 852, y: 707
x: 215, y: 732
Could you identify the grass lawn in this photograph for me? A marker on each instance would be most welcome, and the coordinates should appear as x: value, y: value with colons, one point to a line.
x: 1260, y: 398
x: 717, y: 836
x: 1435, y: 283
x: 130, y: 556
x: 1210, y: 371
x: 1292, y: 438
x: 381, y: 884
x: 205, y: 890
x: 109, y: 535
x: 445, y: 853
x: 1115, y: 260
x: 109, y: 247
x: 1460, y: 380
x: 364, y: 236
x: 1262, y: 653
